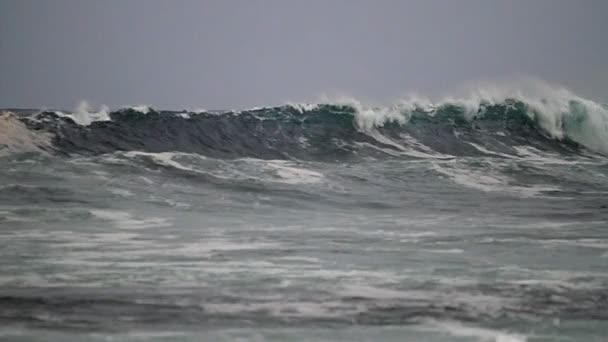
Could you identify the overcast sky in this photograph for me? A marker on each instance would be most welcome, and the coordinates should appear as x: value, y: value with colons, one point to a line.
x: 241, y: 53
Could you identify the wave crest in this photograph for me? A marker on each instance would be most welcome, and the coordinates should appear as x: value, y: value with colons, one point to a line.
x: 491, y: 120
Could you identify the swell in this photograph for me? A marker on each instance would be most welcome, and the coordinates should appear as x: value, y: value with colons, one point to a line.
x: 569, y: 125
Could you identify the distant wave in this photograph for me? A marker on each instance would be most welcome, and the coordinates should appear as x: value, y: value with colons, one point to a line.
x: 491, y: 120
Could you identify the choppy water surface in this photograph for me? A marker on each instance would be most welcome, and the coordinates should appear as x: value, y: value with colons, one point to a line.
x: 291, y: 224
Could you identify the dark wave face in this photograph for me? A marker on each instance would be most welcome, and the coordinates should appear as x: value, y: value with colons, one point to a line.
x: 477, y: 220
x: 321, y: 132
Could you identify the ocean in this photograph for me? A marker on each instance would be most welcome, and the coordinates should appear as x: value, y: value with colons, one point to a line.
x: 473, y: 219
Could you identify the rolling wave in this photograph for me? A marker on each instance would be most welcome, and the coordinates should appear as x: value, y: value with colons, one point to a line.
x: 485, y: 123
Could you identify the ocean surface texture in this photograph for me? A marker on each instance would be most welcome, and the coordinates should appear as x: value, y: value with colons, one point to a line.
x: 475, y: 219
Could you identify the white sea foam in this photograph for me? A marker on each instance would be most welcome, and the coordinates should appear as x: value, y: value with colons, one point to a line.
x: 290, y: 174
x: 125, y: 220
x: 146, y: 180
x: 282, y: 171
x: 144, y: 109
x: 164, y: 158
x: 177, y: 204
x: 529, y: 153
x: 209, y: 247
x: 445, y: 251
x: 372, y: 292
x: 303, y: 142
x: 488, y: 180
x: 584, y: 242
x: 489, y: 305
x: 558, y: 279
x: 286, y: 309
x: 121, y: 192
x: 303, y: 107
x: 482, y: 334
x: 486, y: 151
x: 469, y: 178
x: 300, y: 259
x: 420, y: 151
x: 198, y: 110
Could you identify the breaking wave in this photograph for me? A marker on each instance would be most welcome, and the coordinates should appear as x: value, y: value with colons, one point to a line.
x: 493, y: 121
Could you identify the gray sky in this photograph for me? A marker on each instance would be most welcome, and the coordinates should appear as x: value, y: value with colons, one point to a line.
x: 240, y: 53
